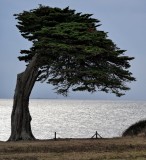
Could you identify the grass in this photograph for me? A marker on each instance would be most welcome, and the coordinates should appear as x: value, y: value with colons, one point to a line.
x: 125, y: 148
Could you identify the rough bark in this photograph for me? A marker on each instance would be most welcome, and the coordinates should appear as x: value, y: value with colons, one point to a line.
x: 20, y: 117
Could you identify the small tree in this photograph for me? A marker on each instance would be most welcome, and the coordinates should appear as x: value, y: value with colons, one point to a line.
x: 68, y: 51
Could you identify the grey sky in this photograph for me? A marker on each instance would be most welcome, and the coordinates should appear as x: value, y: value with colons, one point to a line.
x: 125, y: 20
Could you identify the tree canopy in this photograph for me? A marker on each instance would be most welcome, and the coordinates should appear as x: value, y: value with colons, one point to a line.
x: 72, y: 51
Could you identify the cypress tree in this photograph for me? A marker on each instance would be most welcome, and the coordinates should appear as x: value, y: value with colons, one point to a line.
x: 69, y: 52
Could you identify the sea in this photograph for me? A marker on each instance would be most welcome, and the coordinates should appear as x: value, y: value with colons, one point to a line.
x: 75, y: 118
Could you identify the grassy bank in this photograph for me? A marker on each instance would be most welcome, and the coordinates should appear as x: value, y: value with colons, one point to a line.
x: 75, y: 149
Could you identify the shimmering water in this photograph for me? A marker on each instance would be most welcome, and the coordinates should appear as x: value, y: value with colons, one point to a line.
x: 76, y: 118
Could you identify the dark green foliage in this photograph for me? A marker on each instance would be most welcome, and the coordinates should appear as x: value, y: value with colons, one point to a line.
x: 136, y: 129
x: 73, y: 53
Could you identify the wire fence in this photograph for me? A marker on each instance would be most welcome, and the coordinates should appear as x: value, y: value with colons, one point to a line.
x: 95, y: 136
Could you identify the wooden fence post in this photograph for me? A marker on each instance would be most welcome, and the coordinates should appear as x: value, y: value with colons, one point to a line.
x: 55, y: 136
x: 96, y: 135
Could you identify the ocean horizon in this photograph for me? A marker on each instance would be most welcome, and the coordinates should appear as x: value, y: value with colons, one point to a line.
x: 75, y: 118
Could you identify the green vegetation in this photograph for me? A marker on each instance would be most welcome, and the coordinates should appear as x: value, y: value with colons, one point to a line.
x: 73, y: 52
x: 69, y: 52
x: 137, y: 129
x: 75, y: 149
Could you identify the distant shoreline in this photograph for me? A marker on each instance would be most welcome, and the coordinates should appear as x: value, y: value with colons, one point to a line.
x: 66, y: 99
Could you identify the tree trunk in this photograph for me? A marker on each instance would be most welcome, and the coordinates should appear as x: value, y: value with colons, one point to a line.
x: 20, y: 117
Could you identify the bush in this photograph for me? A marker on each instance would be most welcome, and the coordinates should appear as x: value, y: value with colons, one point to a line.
x: 137, y: 129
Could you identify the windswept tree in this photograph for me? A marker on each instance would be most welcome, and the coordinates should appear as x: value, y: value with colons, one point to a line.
x: 69, y: 52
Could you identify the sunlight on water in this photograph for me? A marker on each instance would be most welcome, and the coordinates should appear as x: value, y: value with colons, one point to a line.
x: 76, y: 118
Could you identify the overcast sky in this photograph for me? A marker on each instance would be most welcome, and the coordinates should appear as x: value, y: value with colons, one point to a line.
x: 124, y: 20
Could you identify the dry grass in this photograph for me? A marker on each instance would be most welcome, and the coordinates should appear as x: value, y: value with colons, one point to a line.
x: 75, y: 149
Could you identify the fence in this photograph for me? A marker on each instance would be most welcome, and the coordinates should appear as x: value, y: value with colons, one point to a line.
x: 96, y: 136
